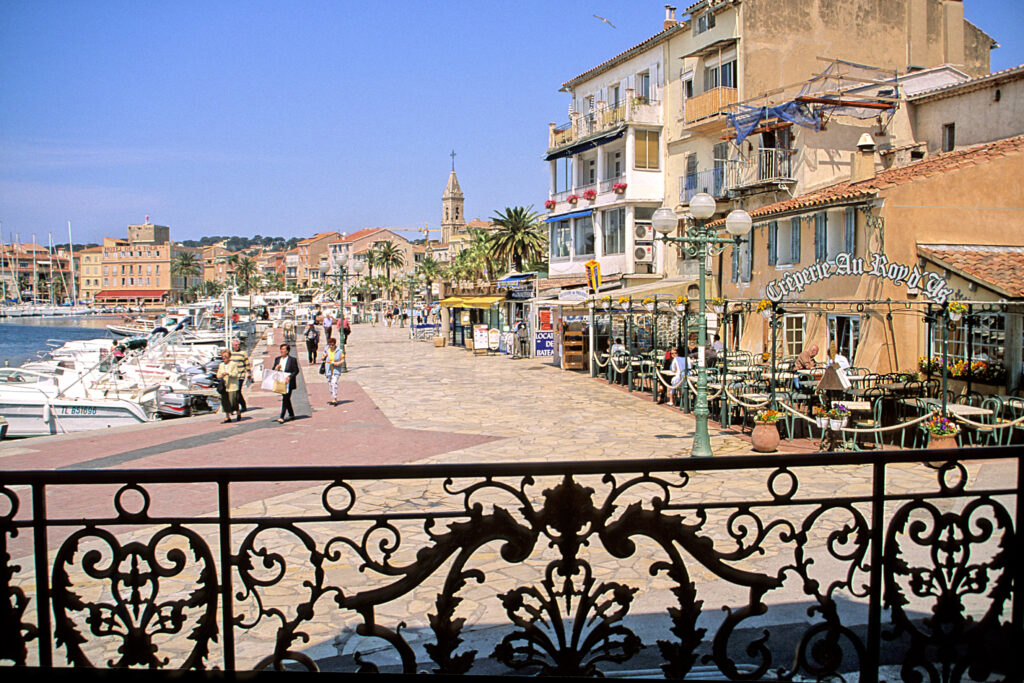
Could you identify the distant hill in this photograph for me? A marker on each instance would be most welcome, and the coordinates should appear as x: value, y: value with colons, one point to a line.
x: 239, y: 243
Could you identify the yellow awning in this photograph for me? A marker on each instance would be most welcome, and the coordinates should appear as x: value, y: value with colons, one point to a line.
x: 451, y: 302
x: 481, y: 301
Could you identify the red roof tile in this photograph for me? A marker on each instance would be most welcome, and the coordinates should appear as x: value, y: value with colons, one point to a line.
x: 639, y: 47
x: 1011, y: 74
x: 846, y: 191
x: 996, y: 267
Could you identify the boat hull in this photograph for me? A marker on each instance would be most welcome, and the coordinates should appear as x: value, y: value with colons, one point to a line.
x: 33, y: 416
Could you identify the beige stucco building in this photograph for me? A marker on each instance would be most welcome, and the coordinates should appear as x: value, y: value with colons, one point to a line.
x: 137, y: 270
x: 90, y: 272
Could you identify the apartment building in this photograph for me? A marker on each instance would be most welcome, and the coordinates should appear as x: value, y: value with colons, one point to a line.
x: 217, y: 266
x: 137, y: 270
x: 310, y: 252
x: 90, y: 272
x: 33, y: 269
x: 357, y: 246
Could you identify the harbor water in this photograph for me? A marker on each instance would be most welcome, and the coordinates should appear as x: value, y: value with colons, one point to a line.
x: 28, y: 337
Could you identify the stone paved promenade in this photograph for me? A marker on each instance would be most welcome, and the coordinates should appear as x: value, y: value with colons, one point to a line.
x: 409, y: 402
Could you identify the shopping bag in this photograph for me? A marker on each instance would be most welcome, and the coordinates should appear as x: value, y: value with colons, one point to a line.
x: 275, y: 380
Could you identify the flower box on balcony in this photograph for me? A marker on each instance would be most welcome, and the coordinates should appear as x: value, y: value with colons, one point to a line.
x: 549, y: 204
x: 573, y: 198
x: 590, y: 195
x: 619, y: 188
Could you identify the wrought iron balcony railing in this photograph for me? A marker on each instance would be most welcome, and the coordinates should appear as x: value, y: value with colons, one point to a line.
x: 732, y: 568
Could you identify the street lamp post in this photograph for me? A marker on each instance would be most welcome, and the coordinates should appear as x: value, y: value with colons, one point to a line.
x: 701, y: 242
x: 340, y: 275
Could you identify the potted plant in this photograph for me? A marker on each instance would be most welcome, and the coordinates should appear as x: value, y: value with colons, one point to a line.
x: 649, y: 304
x: 619, y: 188
x: 955, y: 310
x: 590, y: 195
x: 549, y: 204
x: 820, y: 416
x: 764, y: 307
x: 624, y: 302
x: 838, y: 414
x: 573, y: 198
x: 718, y: 305
x: 606, y: 302
x: 681, y: 303
x: 765, y: 437
x: 941, y: 432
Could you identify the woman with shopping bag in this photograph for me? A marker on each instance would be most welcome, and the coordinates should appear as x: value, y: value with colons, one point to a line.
x: 229, y: 382
x: 289, y: 366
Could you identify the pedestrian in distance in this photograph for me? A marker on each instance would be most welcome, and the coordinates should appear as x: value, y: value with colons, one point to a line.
x: 228, y: 382
x: 328, y: 326
x: 241, y: 357
x: 680, y: 366
x: 290, y: 365
x: 523, y: 339
x: 346, y: 329
x: 334, y: 359
x: 312, y: 342
x: 666, y: 370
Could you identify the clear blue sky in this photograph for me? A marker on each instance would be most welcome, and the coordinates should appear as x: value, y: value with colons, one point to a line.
x: 289, y: 118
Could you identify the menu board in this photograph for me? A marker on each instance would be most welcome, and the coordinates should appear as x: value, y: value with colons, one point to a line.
x: 494, y: 339
x: 480, y: 337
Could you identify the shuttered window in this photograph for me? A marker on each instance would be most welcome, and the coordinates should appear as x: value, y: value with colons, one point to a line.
x: 850, y: 242
x: 820, y: 237
x: 647, y: 149
x: 794, y: 238
x: 773, y: 243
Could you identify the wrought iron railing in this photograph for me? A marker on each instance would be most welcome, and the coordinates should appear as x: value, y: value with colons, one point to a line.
x: 711, y: 181
x: 740, y: 568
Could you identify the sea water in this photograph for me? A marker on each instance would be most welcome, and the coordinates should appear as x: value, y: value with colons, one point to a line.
x: 27, y: 338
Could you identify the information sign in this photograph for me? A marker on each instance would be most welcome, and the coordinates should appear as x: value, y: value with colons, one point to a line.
x: 494, y: 339
x: 480, y: 337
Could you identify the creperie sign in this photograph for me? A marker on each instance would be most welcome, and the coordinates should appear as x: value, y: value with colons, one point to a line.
x: 878, y: 266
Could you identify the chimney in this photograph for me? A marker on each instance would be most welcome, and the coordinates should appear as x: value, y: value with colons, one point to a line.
x: 670, y: 17
x: 862, y: 166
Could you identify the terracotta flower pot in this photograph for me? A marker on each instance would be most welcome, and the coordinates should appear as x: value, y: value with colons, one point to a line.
x: 765, y: 437
x: 936, y: 441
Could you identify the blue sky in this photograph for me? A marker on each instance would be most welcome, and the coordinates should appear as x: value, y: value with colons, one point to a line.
x: 289, y: 118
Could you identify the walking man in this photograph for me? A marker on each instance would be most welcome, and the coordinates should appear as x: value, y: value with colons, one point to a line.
x: 312, y: 342
x: 523, y: 339
x: 289, y: 364
x: 241, y: 358
x: 328, y: 326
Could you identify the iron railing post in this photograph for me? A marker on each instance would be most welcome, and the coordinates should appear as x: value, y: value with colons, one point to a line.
x: 226, y: 564
x: 42, y: 569
x: 869, y: 667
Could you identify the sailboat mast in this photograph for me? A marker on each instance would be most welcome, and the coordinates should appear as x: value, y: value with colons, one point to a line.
x: 71, y: 250
x: 35, y: 278
x: 6, y: 262
x: 17, y: 273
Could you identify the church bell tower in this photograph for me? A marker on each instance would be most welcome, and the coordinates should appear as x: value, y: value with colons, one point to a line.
x: 453, y: 219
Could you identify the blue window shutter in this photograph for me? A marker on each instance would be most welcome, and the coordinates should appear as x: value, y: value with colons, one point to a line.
x: 851, y: 227
x: 773, y: 243
x: 735, y: 263
x: 794, y: 240
x: 820, y: 233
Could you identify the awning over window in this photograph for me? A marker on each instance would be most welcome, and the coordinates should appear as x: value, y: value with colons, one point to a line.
x: 480, y: 301
x: 564, y: 216
x: 451, y: 302
x: 588, y: 143
x: 128, y: 294
x: 514, y: 278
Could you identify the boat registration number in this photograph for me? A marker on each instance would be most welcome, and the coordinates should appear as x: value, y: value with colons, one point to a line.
x: 78, y: 410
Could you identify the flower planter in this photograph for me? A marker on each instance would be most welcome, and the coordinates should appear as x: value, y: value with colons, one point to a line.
x: 836, y: 425
x: 620, y: 191
x: 767, y: 313
x: 822, y: 422
x: 937, y: 441
x: 718, y: 309
x: 765, y: 437
x: 955, y: 317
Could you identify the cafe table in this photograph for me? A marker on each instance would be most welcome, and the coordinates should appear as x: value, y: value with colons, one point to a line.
x: 958, y: 409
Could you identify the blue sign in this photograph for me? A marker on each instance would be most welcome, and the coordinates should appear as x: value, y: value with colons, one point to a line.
x: 544, y: 344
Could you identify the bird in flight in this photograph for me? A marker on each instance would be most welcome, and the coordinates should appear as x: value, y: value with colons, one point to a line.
x: 604, y: 20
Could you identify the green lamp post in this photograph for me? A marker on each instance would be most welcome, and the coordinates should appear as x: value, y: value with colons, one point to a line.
x: 701, y: 242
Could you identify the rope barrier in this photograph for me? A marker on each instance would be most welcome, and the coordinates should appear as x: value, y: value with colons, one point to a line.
x: 598, y: 362
x: 855, y: 430
x: 711, y: 397
x: 615, y: 366
x: 737, y: 401
x: 985, y: 426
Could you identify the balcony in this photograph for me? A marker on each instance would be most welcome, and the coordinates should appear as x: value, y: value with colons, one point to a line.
x: 602, y: 119
x: 768, y: 166
x: 711, y: 181
x: 499, y: 568
x: 708, y: 104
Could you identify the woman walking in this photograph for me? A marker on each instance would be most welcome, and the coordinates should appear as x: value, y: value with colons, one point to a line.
x: 312, y: 342
x: 334, y: 359
x: 230, y: 376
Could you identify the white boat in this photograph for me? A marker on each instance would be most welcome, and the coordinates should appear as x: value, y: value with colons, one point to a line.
x: 33, y: 405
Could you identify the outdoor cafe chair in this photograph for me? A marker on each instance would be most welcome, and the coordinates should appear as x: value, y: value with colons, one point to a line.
x: 1014, y: 409
x: 872, y: 422
x: 995, y: 437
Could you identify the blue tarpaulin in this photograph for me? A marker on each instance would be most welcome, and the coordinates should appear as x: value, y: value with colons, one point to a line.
x: 750, y: 118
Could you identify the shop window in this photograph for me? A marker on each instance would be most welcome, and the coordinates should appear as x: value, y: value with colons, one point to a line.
x: 844, y: 330
x: 647, y: 149
x: 793, y: 332
x: 560, y: 240
x: 584, y: 238
x: 613, y: 231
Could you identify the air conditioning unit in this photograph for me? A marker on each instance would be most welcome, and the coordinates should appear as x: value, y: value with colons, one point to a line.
x: 643, y: 233
x: 643, y: 253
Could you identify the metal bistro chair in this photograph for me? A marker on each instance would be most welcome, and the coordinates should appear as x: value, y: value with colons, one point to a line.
x: 873, y: 422
x: 1015, y: 407
x: 994, y: 437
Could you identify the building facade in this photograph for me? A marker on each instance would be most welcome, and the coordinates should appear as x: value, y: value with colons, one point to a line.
x: 90, y: 272
x: 137, y: 270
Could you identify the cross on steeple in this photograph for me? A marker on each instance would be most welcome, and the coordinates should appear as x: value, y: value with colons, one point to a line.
x: 453, y: 160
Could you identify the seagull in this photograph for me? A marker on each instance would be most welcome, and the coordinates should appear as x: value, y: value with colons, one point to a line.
x: 604, y: 20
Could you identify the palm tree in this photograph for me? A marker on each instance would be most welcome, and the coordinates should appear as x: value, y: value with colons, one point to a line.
x: 390, y: 255
x: 186, y: 265
x: 430, y: 269
x: 245, y: 270
x: 482, y: 249
x: 517, y: 237
x: 372, y: 260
